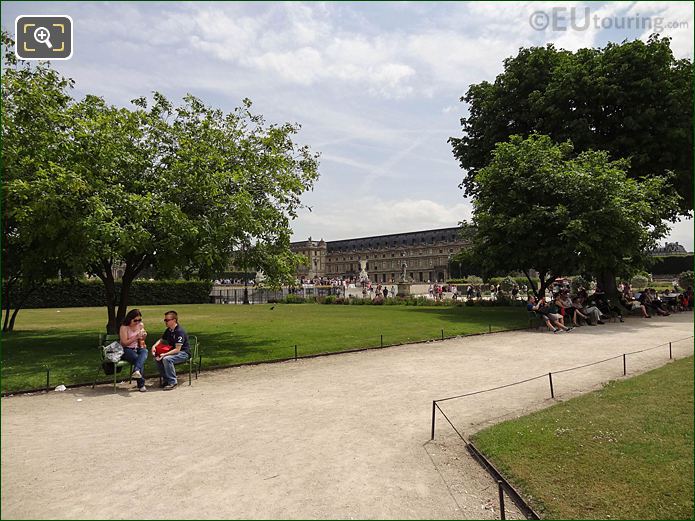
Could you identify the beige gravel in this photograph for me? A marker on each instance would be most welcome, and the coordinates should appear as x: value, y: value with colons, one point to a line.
x: 343, y: 436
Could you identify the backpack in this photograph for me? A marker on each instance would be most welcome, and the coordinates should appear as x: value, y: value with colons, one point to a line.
x: 109, y: 367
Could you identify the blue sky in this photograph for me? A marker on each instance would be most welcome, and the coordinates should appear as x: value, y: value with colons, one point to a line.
x: 375, y: 85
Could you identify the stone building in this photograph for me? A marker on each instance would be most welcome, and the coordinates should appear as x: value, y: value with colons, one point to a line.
x: 670, y: 248
x: 424, y: 256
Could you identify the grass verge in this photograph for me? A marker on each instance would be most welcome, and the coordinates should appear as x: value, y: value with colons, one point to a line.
x: 624, y: 452
x: 64, y: 340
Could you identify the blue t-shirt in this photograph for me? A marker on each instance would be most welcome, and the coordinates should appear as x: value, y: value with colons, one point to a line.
x: 177, y: 336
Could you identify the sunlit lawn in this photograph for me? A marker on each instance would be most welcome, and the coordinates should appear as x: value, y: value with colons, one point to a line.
x: 64, y: 340
x: 624, y: 452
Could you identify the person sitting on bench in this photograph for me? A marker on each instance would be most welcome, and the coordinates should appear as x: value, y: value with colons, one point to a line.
x: 175, y: 336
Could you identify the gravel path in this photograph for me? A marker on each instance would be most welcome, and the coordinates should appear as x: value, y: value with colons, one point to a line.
x: 343, y: 436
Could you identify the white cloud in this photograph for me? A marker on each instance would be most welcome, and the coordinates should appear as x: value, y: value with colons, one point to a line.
x: 351, y: 217
x: 374, y: 85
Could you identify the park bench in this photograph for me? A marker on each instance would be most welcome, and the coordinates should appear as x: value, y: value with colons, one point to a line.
x: 105, y: 340
x: 535, y: 321
x: 194, y: 362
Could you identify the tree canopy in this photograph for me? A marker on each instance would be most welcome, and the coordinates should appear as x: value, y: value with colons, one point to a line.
x: 173, y: 187
x: 634, y: 100
x: 540, y: 206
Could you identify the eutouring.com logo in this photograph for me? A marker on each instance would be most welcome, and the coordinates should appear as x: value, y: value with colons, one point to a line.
x: 581, y: 19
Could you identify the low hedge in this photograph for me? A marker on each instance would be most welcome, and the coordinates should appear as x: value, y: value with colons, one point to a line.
x: 671, y: 264
x: 87, y: 293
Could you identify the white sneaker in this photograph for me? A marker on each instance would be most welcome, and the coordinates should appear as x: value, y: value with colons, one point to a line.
x: 143, y: 389
x: 136, y: 374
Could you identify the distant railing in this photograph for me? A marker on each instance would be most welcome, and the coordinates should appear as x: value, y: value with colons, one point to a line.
x: 235, y: 294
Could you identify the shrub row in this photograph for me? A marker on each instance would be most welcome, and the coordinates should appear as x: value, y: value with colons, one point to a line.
x: 66, y: 294
x: 672, y: 264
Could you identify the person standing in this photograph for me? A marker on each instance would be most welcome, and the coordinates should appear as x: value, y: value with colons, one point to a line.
x: 180, y: 352
x: 131, y: 336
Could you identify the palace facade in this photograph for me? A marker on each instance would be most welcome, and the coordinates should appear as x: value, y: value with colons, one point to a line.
x: 424, y: 256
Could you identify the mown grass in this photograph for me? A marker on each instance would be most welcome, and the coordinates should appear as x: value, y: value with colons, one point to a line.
x: 65, y: 339
x: 624, y: 452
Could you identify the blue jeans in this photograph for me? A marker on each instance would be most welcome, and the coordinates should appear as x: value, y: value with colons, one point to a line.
x: 136, y: 357
x: 166, y: 367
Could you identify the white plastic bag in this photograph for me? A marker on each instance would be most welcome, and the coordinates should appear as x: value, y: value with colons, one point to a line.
x: 113, y: 352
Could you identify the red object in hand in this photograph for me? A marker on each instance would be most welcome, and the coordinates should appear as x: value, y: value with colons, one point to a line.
x: 161, y: 349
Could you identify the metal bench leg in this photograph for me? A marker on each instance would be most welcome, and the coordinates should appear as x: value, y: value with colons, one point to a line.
x: 96, y: 376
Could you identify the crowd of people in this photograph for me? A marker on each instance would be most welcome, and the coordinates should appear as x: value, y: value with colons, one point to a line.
x: 562, y: 312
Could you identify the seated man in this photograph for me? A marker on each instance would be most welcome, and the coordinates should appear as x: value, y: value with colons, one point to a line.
x: 542, y: 310
x: 591, y: 314
x: 175, y: 336
x: 628, y: 301
x: 647, y: 300
x: 601, y: 301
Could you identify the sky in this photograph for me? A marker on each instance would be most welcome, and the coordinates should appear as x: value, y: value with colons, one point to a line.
x: 375, y: 86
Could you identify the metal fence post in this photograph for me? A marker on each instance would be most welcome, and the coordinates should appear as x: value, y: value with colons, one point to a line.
x: 434, y: 404
x: 670, y: 354
x: 501, y: 492
x: 552, y: 392
x: 442, y: 334
x: 48, y: 378
x: 624, y: 366
x: 382, y: 340
x: 295, y: 351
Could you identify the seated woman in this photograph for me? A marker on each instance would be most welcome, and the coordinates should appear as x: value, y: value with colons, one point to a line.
x: 601, y: 301
x: 630, y: 302
x: 591, y: 314
x: 132, y: 337
x: 543, y: 311
x: 647, y: 300
x: 568, y: 309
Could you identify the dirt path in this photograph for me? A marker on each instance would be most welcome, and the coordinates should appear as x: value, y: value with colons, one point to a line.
x: 344, y: 436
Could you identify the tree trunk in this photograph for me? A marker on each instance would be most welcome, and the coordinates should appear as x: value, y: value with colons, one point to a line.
x: 133, y: 266
x: 607, y: 280
x: 545, y: 283
x: 106, y: 276
x: 126, y: 282
x: 8, y: 286
x: 20, y: 306
x: 14, y: 316
x: 532, y: 284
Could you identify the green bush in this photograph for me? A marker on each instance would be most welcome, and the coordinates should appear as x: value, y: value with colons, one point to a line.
x: 639, y: 282
x: 507, y: 284
x: 671, y: 264
x: 685, y: 279
x: 293, y: 299
x: 90, y: 293
x: 579, y: 282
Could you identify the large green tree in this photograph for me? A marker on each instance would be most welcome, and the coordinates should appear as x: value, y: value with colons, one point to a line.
x: 539, y: 206
x: 634, y: 100
x: 35, y: 102
x: 170, y: 187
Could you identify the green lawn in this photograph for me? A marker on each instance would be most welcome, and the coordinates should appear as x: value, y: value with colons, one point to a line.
x: 64, y: 339
x: 624, y: 452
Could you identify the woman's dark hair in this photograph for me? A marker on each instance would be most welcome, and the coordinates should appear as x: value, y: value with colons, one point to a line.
x: 130, y: 316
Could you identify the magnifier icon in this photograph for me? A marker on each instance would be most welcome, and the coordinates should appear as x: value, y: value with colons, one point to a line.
x: 42, y: 35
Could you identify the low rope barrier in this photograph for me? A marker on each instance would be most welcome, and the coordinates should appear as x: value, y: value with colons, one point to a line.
x: 486, y: 464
